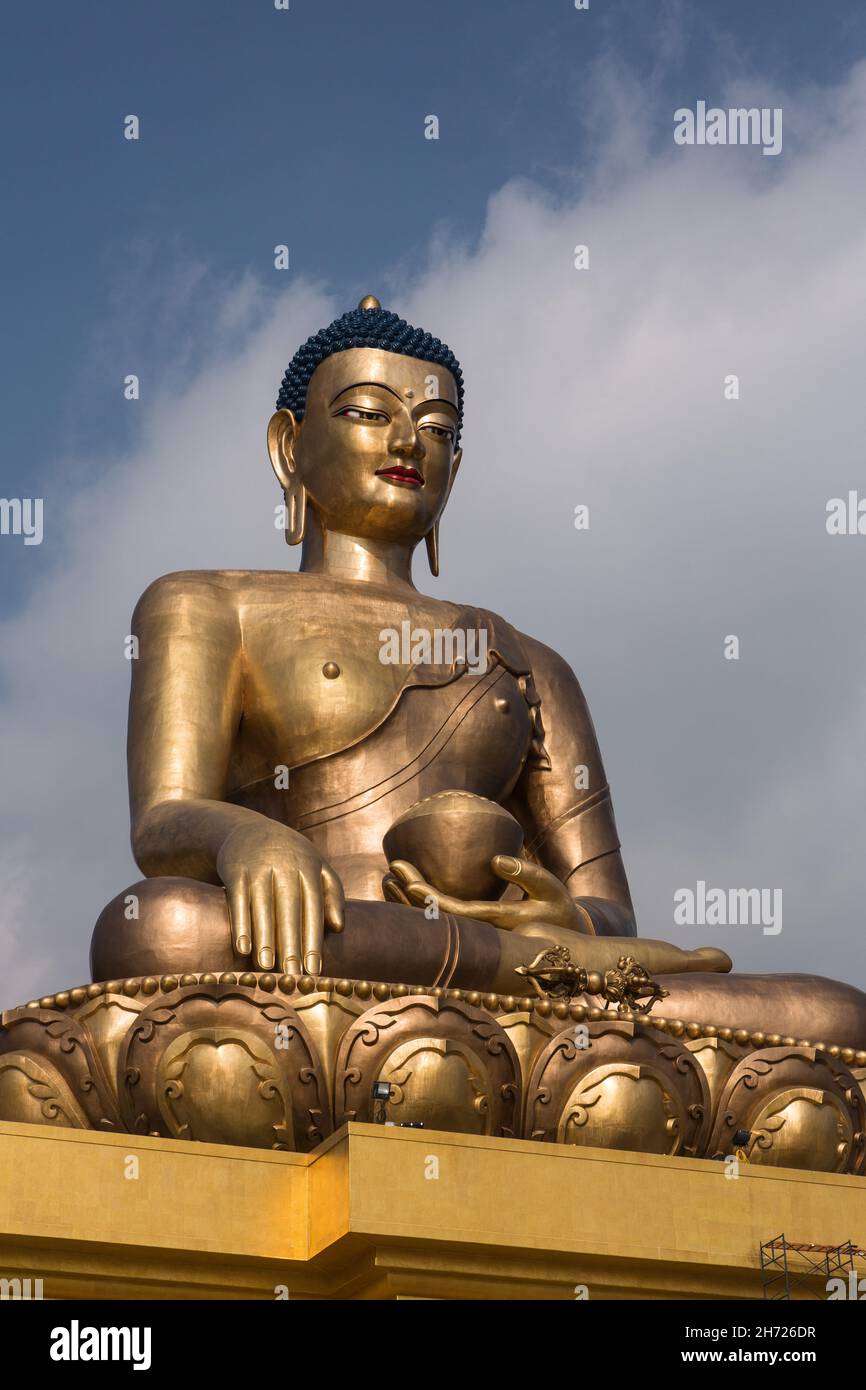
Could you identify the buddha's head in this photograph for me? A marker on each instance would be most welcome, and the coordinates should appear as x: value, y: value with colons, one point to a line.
x: 366, y: 429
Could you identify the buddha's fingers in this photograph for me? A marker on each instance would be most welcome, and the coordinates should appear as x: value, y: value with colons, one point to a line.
x: 312, y: 920
x: 264, y: 933
x: 237, y: 896
x: 537, y: 882
x: 423, y: 894
x: 287, y: 906
x: 392, y: 891
x: 404, y: 876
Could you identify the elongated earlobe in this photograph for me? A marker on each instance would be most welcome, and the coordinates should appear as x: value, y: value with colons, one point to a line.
x: 431, y: 540
x: 296, y: 511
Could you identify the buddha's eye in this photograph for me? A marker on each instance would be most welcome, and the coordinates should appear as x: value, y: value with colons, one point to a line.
x: 354, y: 412
x: 441, y: 431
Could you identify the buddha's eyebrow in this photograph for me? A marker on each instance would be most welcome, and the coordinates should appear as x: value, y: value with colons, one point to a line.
x: 439, y: 400
x: 358, y: 384
x: 428, y: 405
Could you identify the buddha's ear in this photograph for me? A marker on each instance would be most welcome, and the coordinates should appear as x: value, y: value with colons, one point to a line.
x: 282, y: 433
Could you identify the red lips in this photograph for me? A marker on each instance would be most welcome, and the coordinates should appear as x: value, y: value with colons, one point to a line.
x: 397, y: 473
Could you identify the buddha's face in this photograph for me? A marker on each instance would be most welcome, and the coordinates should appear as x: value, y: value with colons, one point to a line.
x: 375, y: 450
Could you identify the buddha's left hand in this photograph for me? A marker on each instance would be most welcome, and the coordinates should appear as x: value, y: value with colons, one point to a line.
x: 547, y: 900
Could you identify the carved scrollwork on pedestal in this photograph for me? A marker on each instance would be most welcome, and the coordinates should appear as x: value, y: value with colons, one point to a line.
x: 449, y: 1066
x: 47, y: 1060
x: 273, y: 1061
x: 106, y: 1021
x: 223, y: 1065
x: 34, y: 1092
x: 717, y: 1058
x: 802, y: 1108
x: 618, y: 1085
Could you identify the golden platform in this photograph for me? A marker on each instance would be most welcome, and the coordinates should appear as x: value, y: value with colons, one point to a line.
x: 387, y: 1213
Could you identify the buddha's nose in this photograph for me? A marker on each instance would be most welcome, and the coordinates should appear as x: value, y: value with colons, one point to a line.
x: 405, y: 441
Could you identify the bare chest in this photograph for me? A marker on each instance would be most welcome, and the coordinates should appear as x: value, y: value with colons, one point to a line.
x: 322, y: 681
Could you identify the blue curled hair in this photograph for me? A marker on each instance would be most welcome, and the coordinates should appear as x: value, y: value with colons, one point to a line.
x: 375, y: 328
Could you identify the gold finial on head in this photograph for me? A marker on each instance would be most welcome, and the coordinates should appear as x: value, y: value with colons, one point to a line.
x: 369, y: 302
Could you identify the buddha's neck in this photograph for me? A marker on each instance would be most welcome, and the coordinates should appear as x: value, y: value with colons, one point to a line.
x: 355, y: 557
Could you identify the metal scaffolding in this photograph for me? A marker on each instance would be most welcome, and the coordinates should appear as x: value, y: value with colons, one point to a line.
x: 795, y: 1264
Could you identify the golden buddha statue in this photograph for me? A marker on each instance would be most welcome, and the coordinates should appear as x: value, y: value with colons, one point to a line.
x: 284, y: 725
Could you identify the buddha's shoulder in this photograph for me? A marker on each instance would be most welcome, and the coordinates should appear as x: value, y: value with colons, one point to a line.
x: 552, y: 672
x: 519, y: 647
x: 545, y: 662
x: 221, y: 594
x: 227, y: 590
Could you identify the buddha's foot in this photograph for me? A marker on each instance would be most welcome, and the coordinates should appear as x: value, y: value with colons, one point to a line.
x: 601, y: 953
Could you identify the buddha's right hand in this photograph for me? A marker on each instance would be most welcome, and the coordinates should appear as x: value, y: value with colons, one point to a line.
x: 281, y: 896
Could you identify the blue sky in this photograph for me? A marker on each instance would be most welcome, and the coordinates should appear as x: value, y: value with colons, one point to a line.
x: 306, y: 127
x: 303, y: 127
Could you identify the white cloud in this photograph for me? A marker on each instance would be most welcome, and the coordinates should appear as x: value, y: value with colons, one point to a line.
x: 603, y: 387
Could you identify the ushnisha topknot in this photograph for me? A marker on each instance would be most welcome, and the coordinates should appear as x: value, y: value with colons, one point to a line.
x: 367, y: 326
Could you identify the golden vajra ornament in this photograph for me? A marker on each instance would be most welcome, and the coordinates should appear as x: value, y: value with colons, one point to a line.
x: 554, y: 975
